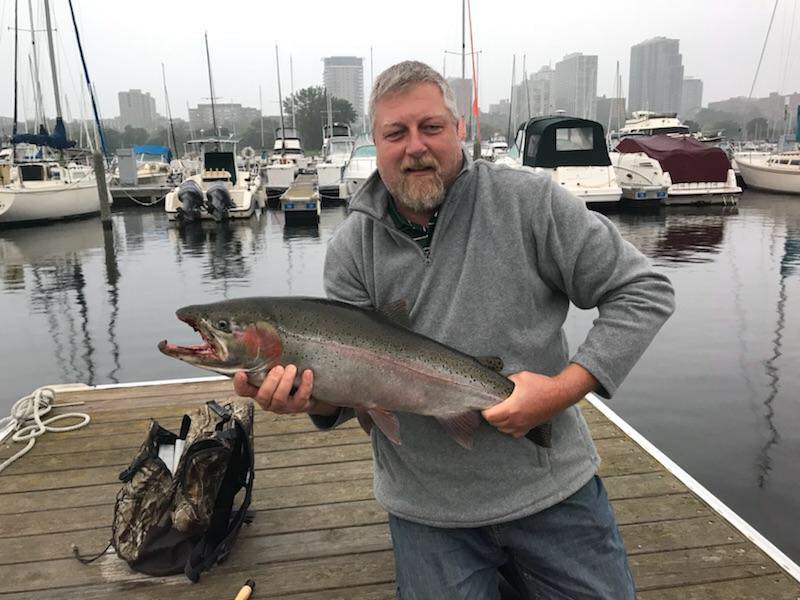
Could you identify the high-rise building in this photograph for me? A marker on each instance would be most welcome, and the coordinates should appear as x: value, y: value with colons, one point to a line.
x: 343, y: 77
x: 462, y: 88
x: 656, y: 76
x: 137, y: 109
x: 610, y: 113
x: 574, y: 88
x: 691, y: 97
x: 535, y: 99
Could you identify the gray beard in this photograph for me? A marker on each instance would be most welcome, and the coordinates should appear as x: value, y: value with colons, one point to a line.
x: 421, y: 196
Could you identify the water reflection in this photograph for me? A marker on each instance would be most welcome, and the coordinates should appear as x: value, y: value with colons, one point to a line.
x: 222, y: 247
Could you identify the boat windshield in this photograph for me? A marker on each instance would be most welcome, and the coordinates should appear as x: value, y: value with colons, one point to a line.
x: 574, y: 138
x: 364, y: 151
x: 341, y: 147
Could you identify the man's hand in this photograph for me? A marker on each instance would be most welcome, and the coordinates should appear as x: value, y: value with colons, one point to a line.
x: 537, y: 398
x: 275, y: 395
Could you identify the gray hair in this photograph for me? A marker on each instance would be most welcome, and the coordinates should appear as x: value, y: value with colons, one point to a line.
x: 401, y: 77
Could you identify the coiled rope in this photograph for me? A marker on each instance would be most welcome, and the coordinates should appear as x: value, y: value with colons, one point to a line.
x: 27, y: 424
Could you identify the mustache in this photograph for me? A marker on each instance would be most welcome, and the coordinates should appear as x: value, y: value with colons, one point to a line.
x: 420, y: 163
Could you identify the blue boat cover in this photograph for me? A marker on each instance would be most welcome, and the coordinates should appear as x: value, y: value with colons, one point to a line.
x: 57, y: 140
x: 153, y: 149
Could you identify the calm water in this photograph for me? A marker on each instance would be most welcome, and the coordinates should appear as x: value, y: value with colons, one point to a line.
x: 718, y: 391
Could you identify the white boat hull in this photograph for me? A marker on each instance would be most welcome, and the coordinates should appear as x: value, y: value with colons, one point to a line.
x: 47, y: 200
x: 593, y: 185
x: 769, y: 178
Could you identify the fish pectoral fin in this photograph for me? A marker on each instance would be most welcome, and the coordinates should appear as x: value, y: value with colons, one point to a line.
x: 495, y: 363
x: 387, y: 422
x: 461, y: 427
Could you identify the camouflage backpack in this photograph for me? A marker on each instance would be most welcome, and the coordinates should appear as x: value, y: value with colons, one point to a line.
x: 184, y: 521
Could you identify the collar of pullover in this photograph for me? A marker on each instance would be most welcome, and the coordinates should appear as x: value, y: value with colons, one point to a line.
x: 373, y: 198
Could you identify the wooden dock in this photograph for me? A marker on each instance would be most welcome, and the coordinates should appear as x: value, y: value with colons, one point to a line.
x: 317, y: 533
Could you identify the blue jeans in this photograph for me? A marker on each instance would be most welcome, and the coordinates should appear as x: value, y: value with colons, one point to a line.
x: 570, y: 551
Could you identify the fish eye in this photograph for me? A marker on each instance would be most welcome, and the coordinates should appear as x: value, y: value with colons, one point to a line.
x: 224, y: 325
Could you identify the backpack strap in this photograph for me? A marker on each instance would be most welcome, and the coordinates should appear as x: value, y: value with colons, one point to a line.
x: 216, y: 544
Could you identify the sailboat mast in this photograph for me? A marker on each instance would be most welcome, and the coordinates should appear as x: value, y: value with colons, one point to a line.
x: 509, y: 139
x: 463, y: 39
x: 211, y: 87
x: 280, y: 101
x: 51, y: 51
x: 38, y: 103
x: 261, y: 116
x: 169, y: 112
x: 92, y: 95
x: 291, y: 84
x: 16, y: 87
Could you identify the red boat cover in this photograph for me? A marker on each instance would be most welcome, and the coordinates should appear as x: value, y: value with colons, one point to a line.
x: 684, y: 158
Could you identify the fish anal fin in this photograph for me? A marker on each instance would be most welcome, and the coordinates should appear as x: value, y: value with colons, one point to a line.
x: 387, y: 422
x: 397, y: 312
x: 364, y: 420
x: 461, y: 427
x: 495, y: 363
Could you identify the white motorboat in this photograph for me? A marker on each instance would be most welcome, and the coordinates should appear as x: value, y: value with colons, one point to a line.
x: 46, y: 191
x: 220, y: 190
x: 645, y: 122
x: 572, y: 151
x: 363, y: 161
x: 152, y: 164
x: 774, y: 172
x: 336, y: 151
x: 685, y: 167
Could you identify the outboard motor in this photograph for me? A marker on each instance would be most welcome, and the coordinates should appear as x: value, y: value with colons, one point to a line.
x: 191, y: 196
x: 218, y: 201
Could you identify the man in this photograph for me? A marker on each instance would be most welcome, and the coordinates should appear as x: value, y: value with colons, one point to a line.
x: 487, y: 259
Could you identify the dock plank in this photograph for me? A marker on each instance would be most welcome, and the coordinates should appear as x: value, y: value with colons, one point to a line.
x: 318, y: 532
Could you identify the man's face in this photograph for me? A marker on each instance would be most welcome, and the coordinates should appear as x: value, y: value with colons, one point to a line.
x: 418, y: 146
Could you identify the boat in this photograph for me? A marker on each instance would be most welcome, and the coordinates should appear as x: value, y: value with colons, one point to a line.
x: 572, y: 151
x: 287, y: 160
x: 687, y: 169
x: 778, y: 172
x: 363, y: 161
x: 48, y: 187
x: 646, y: 122
x: 152, y: 164
x: 219, y: 191
x: 338, y: 144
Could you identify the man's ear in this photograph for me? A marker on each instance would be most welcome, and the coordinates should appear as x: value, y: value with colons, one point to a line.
x: 462, y: 129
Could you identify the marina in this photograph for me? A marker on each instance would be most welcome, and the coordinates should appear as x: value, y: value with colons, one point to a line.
x: 316, y: 531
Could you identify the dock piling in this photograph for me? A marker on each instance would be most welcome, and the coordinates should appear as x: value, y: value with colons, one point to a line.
x: 102, y: 188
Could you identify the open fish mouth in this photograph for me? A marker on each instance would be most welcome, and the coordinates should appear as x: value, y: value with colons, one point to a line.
x: 210, y: 351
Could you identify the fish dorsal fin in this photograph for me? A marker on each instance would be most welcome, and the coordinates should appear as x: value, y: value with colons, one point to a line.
x: 495, y: 363
x: 397, y: 312
x: 461, y: 427
x: 387, y: 422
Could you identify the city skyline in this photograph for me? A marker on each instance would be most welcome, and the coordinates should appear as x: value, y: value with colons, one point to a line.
x: 243, y: 56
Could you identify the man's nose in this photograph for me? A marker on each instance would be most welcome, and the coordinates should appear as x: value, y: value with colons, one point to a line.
x: 416, y: 143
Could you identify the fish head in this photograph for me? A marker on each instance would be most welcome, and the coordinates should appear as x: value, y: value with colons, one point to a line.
x: 234, y: 339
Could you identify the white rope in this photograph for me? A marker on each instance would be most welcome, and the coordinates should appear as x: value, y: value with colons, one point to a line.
x: 27, y: 424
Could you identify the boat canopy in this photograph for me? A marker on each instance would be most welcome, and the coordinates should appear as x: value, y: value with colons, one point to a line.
x: 154, y: 150
x: 684, y: 158
x: 56, y: 140
x: 564, y: 142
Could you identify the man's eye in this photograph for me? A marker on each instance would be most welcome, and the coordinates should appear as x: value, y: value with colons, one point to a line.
x: 393, y: 135
x: 432, y: 128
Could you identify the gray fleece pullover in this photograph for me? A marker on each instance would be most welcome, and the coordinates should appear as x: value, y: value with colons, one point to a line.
x: 509, y: 252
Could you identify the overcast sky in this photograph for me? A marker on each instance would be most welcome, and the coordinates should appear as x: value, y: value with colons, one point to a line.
x: 126, y: 42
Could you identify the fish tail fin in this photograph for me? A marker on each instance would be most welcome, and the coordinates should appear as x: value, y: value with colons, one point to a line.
x: 541, y: 435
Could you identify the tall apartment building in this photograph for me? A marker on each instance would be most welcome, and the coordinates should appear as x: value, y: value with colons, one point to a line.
x: 137, y: 109
x: 462, y: 88
x: 343, y: 77
x: 233, y: 117
x: 656, y: 76
x: 691, y: 97
x: 534, y: 96
x: 575, y: 85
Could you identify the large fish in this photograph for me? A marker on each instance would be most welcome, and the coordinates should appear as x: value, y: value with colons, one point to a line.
x: 360, y: 358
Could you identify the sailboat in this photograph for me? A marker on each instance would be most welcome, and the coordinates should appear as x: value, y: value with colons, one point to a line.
x: 221, y: 190
x: 46, y: 188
